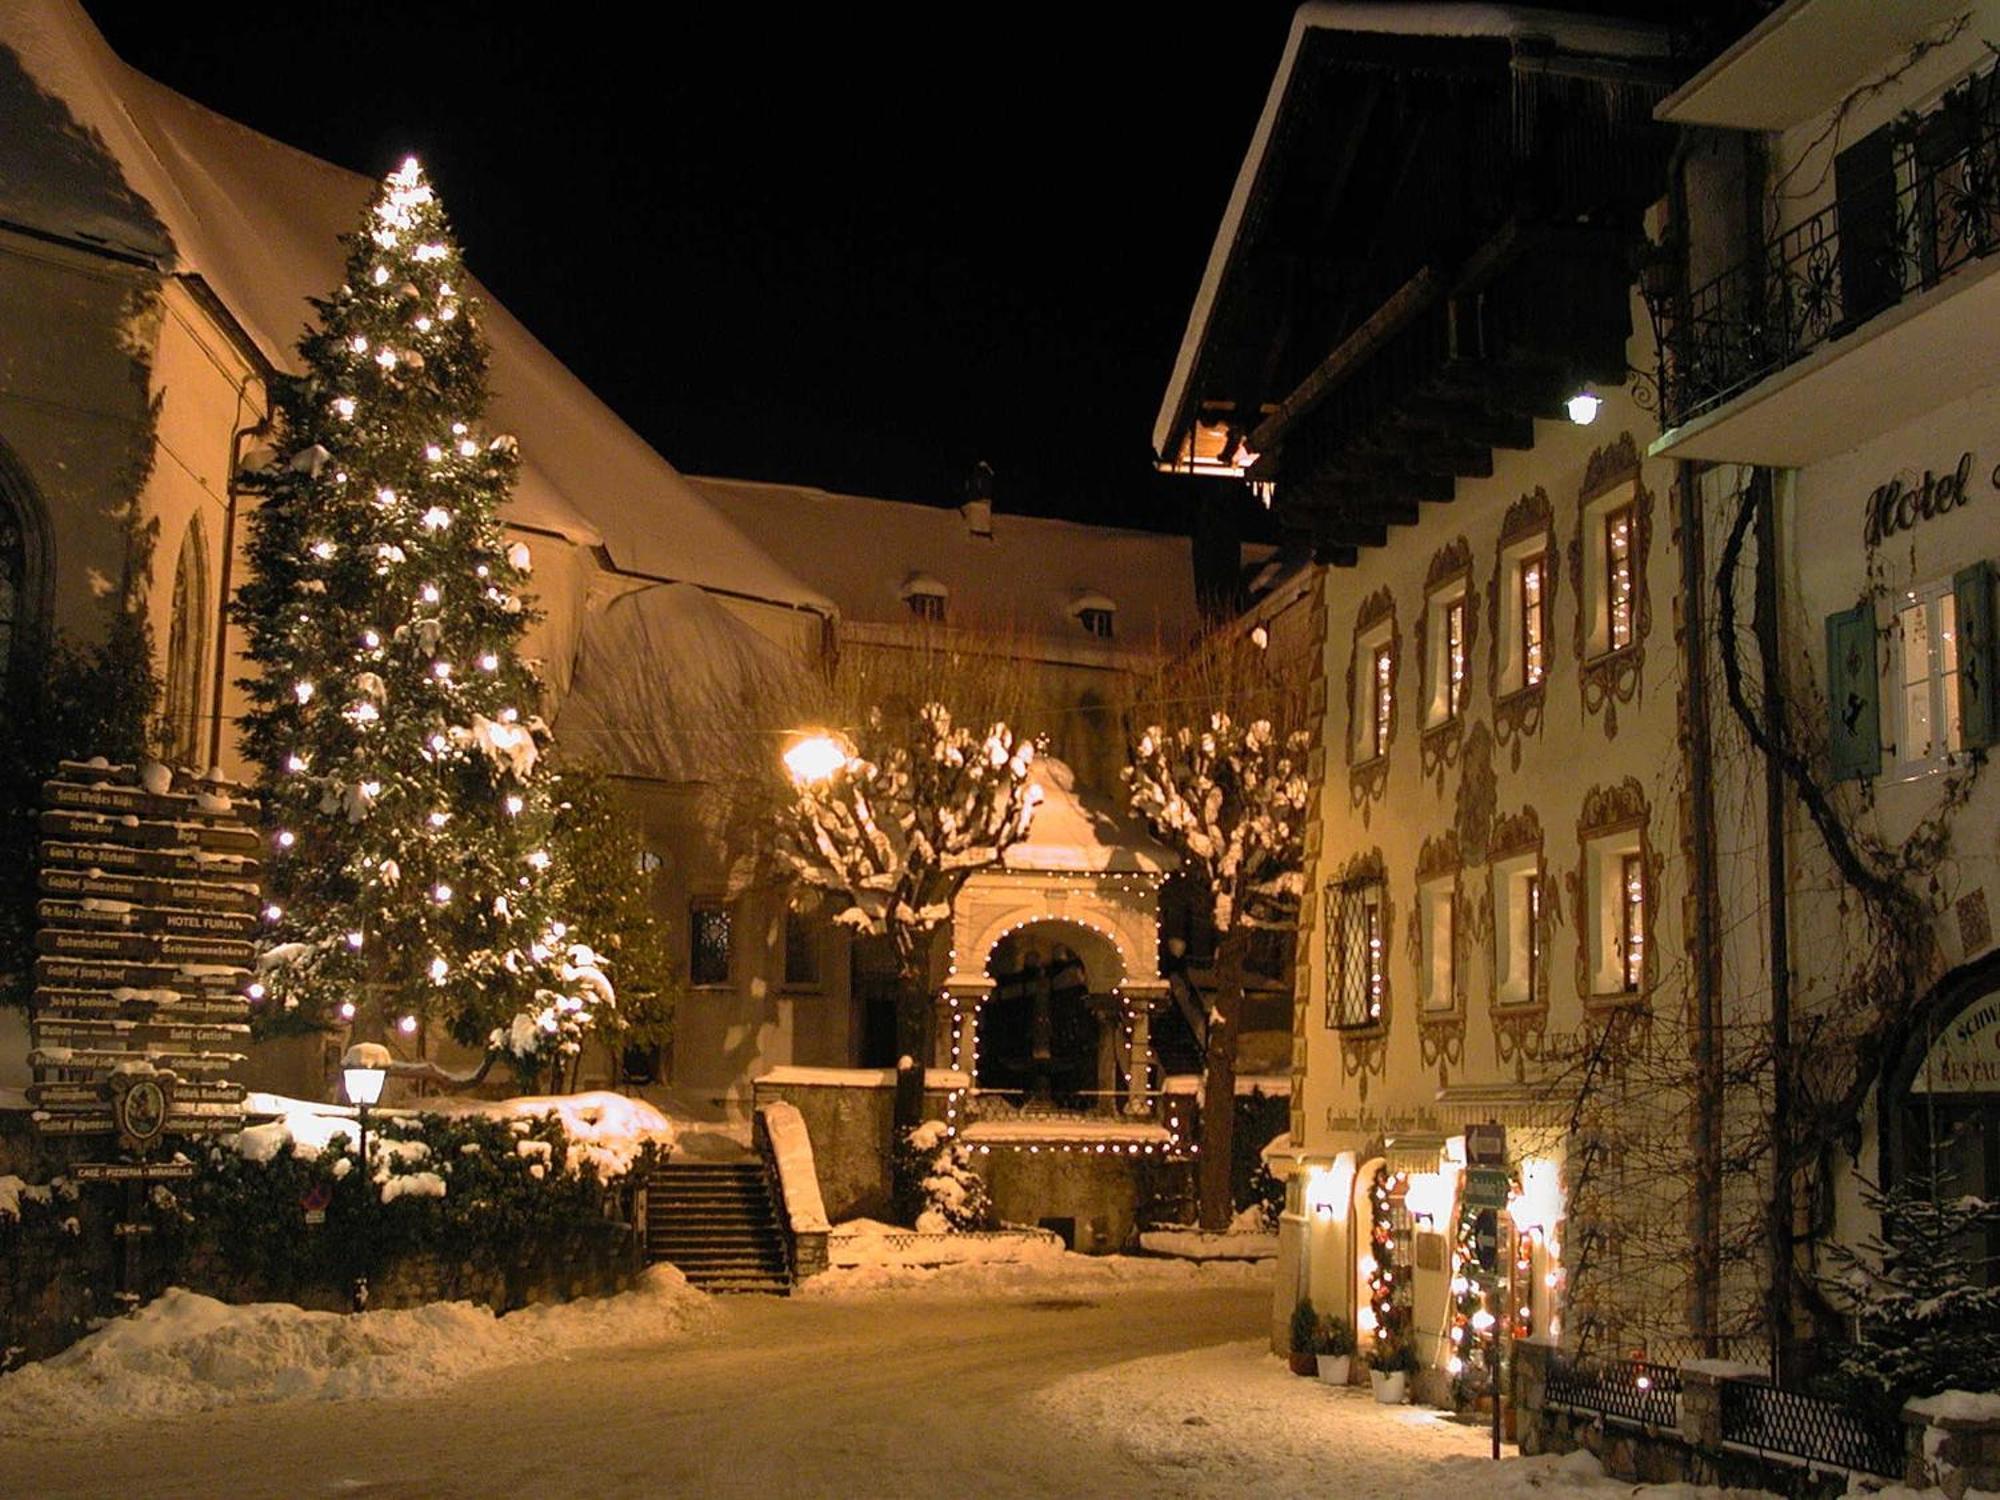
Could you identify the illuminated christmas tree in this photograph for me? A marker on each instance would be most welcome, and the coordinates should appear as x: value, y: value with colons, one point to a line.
x: 409, y: 805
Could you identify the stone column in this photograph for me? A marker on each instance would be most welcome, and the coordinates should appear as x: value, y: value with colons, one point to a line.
x: 1108, y: 1022
x: 1138, y: 1100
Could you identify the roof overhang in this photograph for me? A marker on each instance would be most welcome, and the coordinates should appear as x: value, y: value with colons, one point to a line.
x: 1178, y: 443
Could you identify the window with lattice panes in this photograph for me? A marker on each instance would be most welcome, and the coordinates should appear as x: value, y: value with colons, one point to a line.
x: 710, y: 942
x: 1357, y: 953
x: 1924, y: 685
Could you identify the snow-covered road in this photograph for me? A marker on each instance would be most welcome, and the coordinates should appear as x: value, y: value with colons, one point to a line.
x: 1071, y: 1383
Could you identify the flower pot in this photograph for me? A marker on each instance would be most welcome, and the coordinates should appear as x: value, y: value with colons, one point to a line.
x: 1389, y: 1385
x: 1333, y: 1368
x: 1304, y: 1364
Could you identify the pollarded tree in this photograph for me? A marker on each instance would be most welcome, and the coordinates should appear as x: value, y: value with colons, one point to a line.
x: 1231, y: 799
x: 410, y: 810
x: 893, y: 824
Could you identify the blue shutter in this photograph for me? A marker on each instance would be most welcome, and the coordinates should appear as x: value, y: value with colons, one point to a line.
x: 1853, y: 692
x: 1977, y: 703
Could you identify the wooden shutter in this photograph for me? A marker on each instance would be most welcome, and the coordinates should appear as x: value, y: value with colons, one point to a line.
x: 1978, y: 705
x: 1853, y: 692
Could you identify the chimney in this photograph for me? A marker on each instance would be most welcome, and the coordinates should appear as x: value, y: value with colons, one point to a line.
x: 978, y: 506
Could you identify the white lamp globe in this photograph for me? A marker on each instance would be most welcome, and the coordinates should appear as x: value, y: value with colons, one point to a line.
x: 814, y: 757
x: 364, y: 1067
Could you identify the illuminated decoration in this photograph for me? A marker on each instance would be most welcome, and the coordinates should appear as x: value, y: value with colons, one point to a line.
x: 1632, y: 923
x: 1454, y: 657
x: 1583, y: 406
x: 1533, y: 577
x: 1389, y: 1281
x: 1618, y: 577
x: 1382, y: 672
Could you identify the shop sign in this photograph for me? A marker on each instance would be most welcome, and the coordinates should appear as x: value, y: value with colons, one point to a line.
x: 1895, y: 507
x: 1966, y: 1058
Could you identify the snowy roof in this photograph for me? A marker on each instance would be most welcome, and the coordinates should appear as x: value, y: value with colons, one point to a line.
x: 671, y: 685
x: 1574, y: 34
x: 1026, y: 576
x: 95, y: 152
x: 1075, y: 829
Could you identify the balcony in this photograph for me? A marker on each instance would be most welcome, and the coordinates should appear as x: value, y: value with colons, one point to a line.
x: 1840, y: 329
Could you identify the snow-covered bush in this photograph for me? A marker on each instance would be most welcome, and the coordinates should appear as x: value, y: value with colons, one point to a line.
x: 953, y: 1198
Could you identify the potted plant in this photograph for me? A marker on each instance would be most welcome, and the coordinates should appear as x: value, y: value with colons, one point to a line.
x: 1305, y: 1338
x: 1390, y: 1364
x: 1334, y: 1349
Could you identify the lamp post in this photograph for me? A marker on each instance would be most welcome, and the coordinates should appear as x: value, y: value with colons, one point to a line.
x: 814, y: 757
x: 363, y: 1070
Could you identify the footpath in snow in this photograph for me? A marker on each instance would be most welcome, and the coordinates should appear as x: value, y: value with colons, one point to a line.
x: 184, y: 1352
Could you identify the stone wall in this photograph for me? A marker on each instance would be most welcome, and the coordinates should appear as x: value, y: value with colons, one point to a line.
x: 850, y: 1126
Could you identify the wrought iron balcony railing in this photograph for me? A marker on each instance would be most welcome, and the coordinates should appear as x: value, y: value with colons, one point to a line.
x: 1937, y: 210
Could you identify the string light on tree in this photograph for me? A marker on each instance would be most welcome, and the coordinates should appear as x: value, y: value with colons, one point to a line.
x: 403, y: 814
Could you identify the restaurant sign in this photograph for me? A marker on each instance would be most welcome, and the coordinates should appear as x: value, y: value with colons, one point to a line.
x: 1965, y: 1059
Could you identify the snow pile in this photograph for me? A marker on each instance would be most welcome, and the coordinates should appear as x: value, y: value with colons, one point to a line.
x: 184, y: 1352
x: 1183, y: 1417
x: 797, y: 1175
x: 870, y: 1259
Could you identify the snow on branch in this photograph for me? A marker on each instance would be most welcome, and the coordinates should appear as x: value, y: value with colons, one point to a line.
x: 917, y: 806
x: 1232, y: 799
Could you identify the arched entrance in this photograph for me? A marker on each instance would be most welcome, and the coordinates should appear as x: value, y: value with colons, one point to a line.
x: 1046, y: 1025
x: 1941, y: 1104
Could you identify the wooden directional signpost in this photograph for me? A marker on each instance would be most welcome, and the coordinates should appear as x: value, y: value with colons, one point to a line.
x: 143, y: 954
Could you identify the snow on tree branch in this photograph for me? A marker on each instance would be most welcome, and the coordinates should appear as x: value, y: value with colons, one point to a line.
x: 1232, y: 799
x: 916, y: 807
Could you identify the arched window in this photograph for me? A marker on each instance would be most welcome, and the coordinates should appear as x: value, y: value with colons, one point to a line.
x: 24, y: 562
x: 13, y: 579
x: 187, y: 648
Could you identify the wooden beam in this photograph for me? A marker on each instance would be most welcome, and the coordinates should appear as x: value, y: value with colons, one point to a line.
x: 1408, y: 301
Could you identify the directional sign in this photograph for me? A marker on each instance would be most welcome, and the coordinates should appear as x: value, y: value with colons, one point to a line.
x: 1486, y: 1188
x: 1486, y: 1145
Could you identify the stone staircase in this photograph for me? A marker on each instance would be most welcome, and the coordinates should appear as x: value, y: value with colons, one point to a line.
x: 717, y: 1223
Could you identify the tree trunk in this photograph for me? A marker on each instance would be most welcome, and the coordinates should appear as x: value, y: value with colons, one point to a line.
x: 914, y: 1026
x: 1218, y: 1097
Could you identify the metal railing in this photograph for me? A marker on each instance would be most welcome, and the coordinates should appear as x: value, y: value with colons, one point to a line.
x: 1635, y: 1391
x: 1938, y: 209
x: 1809, y: 1429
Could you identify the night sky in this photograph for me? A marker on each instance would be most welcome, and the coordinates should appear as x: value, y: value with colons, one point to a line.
x: 842, y: 247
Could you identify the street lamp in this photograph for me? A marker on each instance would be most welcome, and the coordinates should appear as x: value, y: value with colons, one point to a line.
x: 1582, y: 407
x: 814, y: 757
x: 363, y: 1070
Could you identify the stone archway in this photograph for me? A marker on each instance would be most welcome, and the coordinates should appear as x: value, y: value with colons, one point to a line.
x: 1048, y: 1025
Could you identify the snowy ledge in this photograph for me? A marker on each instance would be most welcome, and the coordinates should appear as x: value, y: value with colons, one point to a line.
x: 1956, y: 1406
x: 1022, y: 1132
x: 859, y: 1078
x: 1192, y: 1244
x: 791, y: 1148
